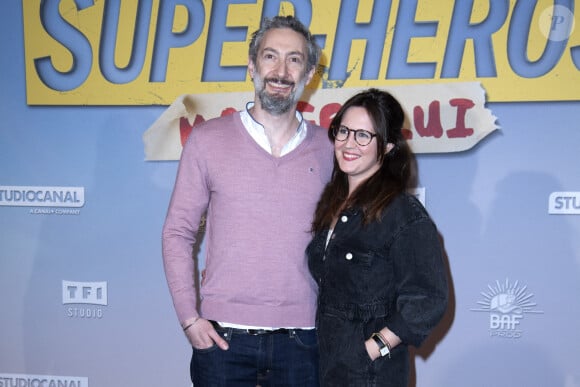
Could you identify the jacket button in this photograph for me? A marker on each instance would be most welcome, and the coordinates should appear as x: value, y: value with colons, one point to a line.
x: 349, y: 256
x: 344, y: 218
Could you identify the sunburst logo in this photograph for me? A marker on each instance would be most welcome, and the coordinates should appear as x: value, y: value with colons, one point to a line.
x: 506, y: 304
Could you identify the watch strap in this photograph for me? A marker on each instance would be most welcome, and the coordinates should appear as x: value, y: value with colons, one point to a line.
x: 384, y: 347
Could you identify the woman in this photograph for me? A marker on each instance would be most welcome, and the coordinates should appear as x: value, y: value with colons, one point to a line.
x: 375, y: 254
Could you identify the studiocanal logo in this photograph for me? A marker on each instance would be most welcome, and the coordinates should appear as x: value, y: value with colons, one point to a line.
x: 28, y: 380
x: 84, y: 299
x: 45, y: 200
x: 506, y: 304
x: 564, y: 203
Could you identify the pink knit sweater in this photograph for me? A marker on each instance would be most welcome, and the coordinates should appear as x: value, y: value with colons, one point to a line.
x: 259, y: 212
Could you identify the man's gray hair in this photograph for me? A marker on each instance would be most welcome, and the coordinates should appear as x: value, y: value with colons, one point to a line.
x: 285, y: 22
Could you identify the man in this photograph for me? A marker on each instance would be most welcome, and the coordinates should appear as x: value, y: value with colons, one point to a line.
x: 258, y: 174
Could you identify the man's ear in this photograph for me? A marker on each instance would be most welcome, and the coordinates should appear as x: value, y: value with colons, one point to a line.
x: 310, y: 75
x: 251, y: 68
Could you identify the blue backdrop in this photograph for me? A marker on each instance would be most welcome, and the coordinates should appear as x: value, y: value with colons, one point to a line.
x: 515, y: 268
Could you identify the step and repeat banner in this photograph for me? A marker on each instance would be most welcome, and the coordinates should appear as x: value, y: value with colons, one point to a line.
x: 98, y: 96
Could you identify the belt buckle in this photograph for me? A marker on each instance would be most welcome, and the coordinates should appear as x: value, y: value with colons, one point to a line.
x: 256, y: 332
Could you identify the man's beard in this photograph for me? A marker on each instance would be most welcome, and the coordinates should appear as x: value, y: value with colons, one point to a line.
x: 276, y: 104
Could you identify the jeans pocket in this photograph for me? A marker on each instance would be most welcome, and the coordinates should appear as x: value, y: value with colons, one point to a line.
x: 305, y: 338
x: 205, y: 350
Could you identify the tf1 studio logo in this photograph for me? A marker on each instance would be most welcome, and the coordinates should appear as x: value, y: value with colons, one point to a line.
x: 84, y: 299
x: 506, y: 304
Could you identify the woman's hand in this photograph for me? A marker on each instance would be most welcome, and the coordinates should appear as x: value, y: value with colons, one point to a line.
x: 372, y: 349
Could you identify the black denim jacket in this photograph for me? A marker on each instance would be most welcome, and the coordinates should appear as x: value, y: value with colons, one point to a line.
x: 388, y: 273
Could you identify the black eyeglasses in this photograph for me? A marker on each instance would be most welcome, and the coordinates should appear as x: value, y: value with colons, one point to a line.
x: 361, y: 136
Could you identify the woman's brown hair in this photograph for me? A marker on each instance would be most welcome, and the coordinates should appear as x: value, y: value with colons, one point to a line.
x: 394, y: 175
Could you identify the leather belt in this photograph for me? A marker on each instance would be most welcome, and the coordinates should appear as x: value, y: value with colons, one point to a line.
x: 252, y: 332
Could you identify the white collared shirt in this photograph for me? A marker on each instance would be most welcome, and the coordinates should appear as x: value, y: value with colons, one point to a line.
x: 256, y: 130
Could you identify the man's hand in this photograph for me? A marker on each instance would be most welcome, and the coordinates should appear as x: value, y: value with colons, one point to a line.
x: 202, y: 335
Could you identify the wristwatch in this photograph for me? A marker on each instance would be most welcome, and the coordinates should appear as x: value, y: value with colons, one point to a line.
x: 384, y: 347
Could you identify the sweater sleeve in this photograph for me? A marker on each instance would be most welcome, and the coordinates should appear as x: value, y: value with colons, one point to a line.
x: 187, y: 205
x: 421, y: 282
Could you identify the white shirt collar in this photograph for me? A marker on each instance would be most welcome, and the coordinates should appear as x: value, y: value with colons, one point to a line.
x: 256, y: 130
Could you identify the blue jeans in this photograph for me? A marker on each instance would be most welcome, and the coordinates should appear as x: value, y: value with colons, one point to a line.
x: 267, y: 360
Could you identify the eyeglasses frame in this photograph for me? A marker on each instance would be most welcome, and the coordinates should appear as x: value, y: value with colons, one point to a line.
x: 355, y: 131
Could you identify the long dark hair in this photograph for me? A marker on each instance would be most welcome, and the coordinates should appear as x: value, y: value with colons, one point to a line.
x: 373, y: 195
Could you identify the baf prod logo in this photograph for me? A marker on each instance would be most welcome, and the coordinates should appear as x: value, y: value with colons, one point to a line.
x: 506, y: 304
x: 84, y: 299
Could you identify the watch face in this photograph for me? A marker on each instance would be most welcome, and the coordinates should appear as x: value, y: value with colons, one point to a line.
x: 384, y: 351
